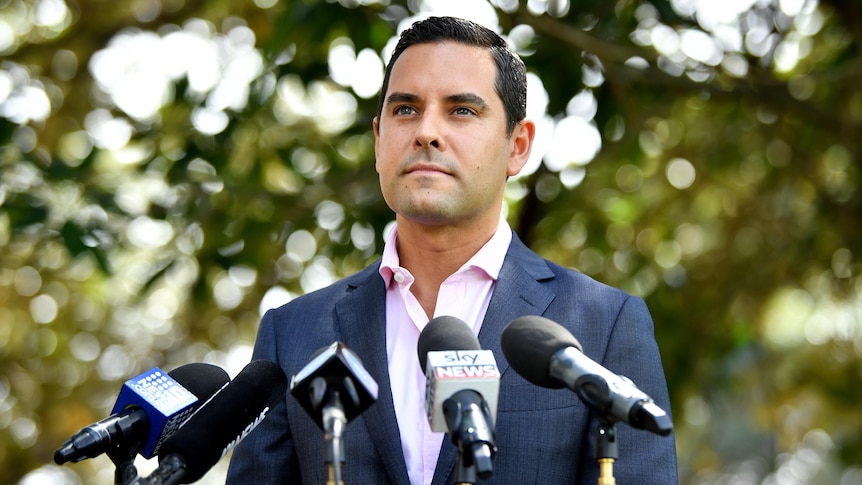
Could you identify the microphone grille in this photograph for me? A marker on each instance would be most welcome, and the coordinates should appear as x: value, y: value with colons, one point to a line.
x: 201, y: 379
x: 529, y: 342
x: 445, y: 333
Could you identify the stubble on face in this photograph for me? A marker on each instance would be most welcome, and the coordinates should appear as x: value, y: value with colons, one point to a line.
x: 423, y: 176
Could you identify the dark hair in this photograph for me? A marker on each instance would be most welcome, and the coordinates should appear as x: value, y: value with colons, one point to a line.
x: 511, y: 82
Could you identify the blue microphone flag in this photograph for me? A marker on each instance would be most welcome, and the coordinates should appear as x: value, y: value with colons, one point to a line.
x: 166, y: 402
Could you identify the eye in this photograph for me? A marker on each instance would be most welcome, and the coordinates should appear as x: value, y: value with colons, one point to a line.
x: 403, y: 110
x: 463, y: 111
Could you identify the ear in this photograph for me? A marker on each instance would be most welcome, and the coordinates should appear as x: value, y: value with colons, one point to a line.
x: 522, y: 144
x: 375, y: 127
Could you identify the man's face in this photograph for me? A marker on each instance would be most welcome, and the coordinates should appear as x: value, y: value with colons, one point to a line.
x: 440, y: 142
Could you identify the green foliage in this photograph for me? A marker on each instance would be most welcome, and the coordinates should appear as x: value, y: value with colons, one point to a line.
x: 725, y: 192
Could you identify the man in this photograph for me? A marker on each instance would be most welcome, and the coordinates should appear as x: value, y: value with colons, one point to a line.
x: 449, y: 131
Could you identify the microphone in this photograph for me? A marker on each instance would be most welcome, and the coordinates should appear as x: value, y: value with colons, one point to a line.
x: 546, y: 354
x: 461, y: 391
x: 334, y: 373
x: 149, y: 408
x: 334, y: 388
x: 219, y: 424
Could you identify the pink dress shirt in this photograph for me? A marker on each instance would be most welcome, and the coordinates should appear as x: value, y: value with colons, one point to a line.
x: 465, y: 295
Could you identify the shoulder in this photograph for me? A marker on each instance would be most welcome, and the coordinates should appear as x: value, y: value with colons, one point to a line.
x: 311, y: 321
x: 328, y: 295
x: 315, y: 312
x: 587, y: 307
x: 587, y: 287
x: 563, y: 280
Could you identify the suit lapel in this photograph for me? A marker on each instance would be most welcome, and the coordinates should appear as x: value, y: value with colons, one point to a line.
x: 517, y: 292
x: 364, y: 332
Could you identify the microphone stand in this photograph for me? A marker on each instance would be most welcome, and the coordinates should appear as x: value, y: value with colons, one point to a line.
x: 125, y: 473
x: 471, y: 431
x: 123, y: 457
x: 607, y: 451
x: 334, y: 422
x: 464, y: 474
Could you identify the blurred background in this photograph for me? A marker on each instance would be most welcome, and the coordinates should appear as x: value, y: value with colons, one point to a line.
x: 169, y: 169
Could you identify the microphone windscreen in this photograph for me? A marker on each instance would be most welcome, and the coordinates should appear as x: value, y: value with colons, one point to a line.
x: 529, y: 342
x: 445, y: 333
x: 201, y: 379
x: 334, y: 372
x: 226, y: 418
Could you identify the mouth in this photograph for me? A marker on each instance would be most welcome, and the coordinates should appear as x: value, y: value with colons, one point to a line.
x: 424, y: 168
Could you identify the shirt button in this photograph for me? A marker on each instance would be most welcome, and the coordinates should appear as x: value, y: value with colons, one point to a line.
x: 399, y: 277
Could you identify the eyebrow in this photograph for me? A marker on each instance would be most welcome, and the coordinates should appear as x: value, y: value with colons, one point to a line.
x: 468, y: 98
x: 462, y: 98
x: 399, y: 97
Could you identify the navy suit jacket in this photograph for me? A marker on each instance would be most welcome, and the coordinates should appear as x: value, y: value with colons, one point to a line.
x: 543, y: 436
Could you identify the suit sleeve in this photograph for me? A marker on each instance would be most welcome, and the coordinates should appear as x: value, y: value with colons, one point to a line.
x: 267, y: 454
x: 644, y: 457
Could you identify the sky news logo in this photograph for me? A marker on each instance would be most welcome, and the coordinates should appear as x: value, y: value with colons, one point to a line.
x: 467, y: 372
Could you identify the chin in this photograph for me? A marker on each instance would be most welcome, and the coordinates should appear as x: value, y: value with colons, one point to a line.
x: 432, y: 216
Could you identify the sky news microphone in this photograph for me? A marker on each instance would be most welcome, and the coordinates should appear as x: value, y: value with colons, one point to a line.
x: 334, y: 388
x: 462, y: 386
x: 149, y: 408
x: 546, y: 354
x: 219, y: 425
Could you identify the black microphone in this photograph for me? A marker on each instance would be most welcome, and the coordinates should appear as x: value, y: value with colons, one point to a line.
x: 149, y: 408
x: 546, y: 354
x: 219, y: 424
x: 461, y: 390
x: 334, y: 388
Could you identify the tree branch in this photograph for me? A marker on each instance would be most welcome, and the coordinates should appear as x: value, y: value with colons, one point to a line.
x: 763, y: 89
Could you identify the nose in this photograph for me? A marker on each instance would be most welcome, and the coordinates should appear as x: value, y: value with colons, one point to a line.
x: 429, y: 132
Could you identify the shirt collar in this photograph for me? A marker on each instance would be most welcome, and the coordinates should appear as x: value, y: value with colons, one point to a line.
x: 489, y: 258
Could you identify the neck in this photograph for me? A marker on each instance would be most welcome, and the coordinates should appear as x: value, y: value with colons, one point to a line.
x: 443, y: 248
x: 432, y: 254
